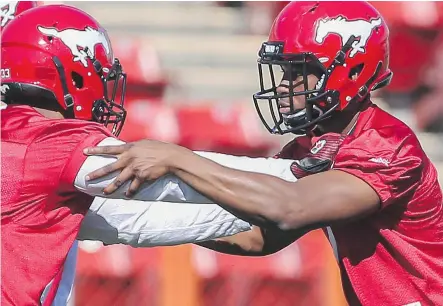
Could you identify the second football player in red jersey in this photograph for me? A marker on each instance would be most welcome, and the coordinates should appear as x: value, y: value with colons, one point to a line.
x: 363, y: 175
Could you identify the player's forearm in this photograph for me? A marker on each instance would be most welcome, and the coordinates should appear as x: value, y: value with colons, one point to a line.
x: 254, y: 242
x: 230, y: 248
x: 248, y: 243
x: 150, y: 224
x: 167, y: 188
x: 258, y: 195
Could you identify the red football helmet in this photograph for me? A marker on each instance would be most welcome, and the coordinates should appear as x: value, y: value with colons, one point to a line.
x: 11, y: 9
x: 344, y: 44
x: 58, y: 57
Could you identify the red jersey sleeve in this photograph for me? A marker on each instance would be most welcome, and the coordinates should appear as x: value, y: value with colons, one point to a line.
x: 389, y: 160
x: 57, y: 153
x: 92, y: 135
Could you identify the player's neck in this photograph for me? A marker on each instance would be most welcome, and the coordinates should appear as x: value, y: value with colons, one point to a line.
x: 343, y: 122
x: 347, y: 130
x: 338, y: 125
x: 49, y: 113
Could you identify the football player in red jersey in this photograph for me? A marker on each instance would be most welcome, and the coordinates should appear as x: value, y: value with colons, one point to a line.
x: 61, y: 86
x: 363, y: 176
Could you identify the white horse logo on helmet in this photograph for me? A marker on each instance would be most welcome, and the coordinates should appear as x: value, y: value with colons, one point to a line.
x: 8, y: 10
x: 345, y: 28
x: 73, y: 39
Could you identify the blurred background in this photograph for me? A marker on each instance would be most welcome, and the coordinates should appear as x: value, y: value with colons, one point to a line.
x: 191, y: 73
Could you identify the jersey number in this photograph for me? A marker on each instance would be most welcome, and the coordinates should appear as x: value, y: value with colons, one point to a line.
x: 5, y: 73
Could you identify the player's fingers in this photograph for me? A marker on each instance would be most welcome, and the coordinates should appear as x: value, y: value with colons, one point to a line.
x: 107, y: 150
x: 122, y: 178
x: 103, y: 171
x: 133, y: 187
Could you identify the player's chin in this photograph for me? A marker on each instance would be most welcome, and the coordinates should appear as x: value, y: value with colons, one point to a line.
x: 286, y: 112
x: 284, y: 108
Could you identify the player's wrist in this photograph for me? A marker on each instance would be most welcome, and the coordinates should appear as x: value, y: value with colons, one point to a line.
x: 179, y: 158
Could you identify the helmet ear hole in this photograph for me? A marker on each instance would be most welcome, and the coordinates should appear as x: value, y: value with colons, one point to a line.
x: 355, y: 71
x: 77, y: 80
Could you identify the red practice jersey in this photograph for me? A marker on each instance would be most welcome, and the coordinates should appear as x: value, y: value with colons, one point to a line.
x: 41, y: 211
x: 395, y: 256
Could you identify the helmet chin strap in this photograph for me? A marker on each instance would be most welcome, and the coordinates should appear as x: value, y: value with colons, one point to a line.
x: 69, y: 100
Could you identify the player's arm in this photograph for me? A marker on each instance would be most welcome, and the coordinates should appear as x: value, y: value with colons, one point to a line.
x: 311, y: 202
x: 150, y: 224
x: 142, y: 223
x: 255, y: 242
